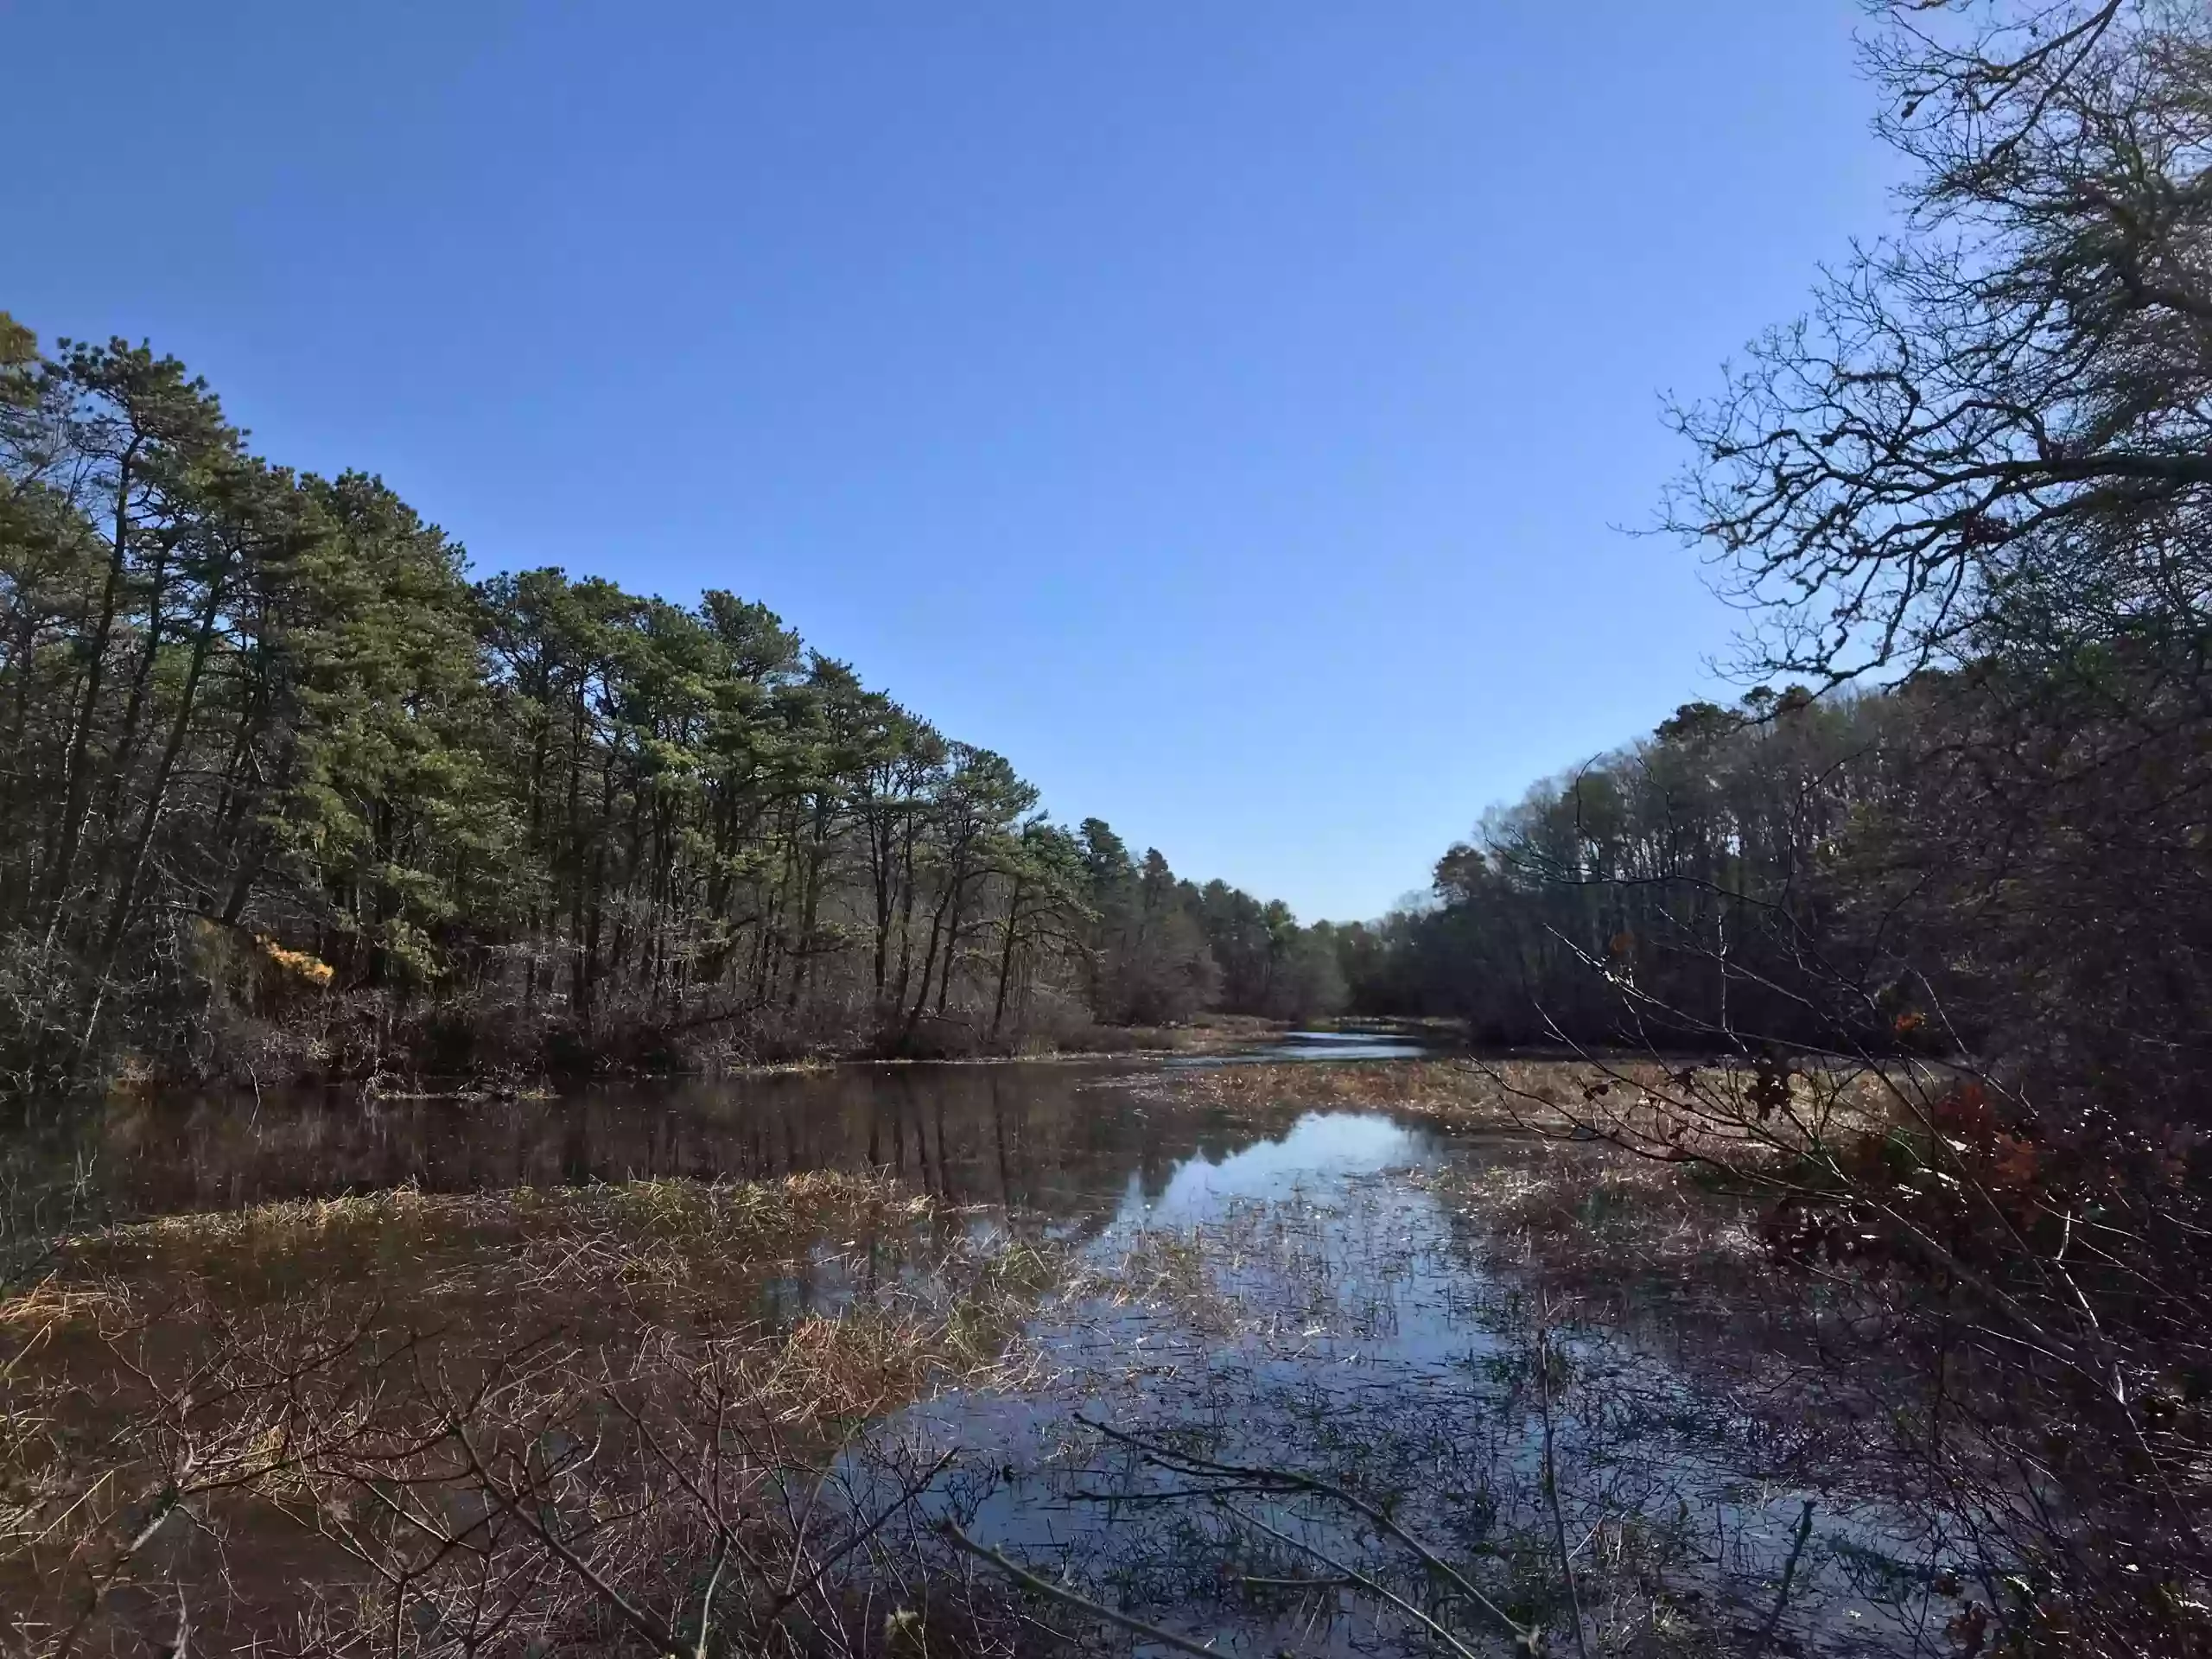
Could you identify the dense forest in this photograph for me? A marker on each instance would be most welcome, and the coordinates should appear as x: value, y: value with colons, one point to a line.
x: 1655, y: 890
x: 1953, y: 863
x: 286, y: 792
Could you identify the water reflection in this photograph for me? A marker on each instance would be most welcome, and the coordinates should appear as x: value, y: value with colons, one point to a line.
x: 1320, y: 1146
x: 1286, y: 1284
x: 1306, y: 1300
x: 1066, y: 1141
x: 1337, y: 1045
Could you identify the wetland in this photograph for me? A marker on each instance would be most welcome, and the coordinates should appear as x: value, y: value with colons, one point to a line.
x: 1280, y: 1351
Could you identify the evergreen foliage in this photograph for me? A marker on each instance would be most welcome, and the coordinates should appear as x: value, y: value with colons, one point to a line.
x: 286, y: 792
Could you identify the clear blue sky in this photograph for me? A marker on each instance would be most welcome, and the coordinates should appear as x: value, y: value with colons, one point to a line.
x: 1220, y: 409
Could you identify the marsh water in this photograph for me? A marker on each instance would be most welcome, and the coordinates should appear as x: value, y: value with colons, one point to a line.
x: 1297, y: 1288
x: 1057, y: 1137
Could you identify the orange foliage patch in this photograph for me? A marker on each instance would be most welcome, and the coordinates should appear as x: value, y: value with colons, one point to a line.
x: 313, y: 968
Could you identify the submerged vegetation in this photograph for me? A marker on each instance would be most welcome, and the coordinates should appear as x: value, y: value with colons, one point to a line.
x: 830, y: 1413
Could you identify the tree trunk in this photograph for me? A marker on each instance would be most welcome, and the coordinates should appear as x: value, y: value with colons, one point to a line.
x: 126, y: 896
x: 1006, y: 956
x: 77, y: 789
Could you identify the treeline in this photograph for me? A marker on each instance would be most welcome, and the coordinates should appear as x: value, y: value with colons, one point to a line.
x: 1720, y: 876
x: 282, y: 789
x: 2005, y: 857
x: 1667, y: 890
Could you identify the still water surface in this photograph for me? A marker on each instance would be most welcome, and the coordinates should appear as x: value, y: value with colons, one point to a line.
x: 1335, y: 1312
x: 1052, y: 1136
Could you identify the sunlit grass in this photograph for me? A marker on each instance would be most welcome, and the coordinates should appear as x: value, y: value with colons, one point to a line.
x: 539, y: 1244
x: 1697, y: 1108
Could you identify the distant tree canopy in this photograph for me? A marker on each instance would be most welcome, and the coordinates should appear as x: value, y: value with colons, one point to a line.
x: 1663, y: 884
x: 250, y: 717
x: 1755, y: 871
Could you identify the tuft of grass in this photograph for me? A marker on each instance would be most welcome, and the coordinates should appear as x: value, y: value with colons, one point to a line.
x: 48, y: 1304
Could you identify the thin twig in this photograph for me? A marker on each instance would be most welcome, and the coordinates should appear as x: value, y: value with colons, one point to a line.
x: 1788, y: 1571
x: 1551, y: 1491
x: 1374, y: 1587
x: 707, y: 1599
x: 1190, y: 1463
x: 1028, y: 1581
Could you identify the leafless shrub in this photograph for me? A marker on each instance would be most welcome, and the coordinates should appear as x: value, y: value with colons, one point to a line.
x: 2020, y: 1304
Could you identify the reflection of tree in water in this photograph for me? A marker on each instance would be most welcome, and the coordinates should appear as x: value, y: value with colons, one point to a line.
x: 1058, y: 1140
x: 1362, y: 1331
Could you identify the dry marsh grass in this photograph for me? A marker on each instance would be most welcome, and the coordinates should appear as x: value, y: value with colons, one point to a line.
x: 364, y: 1229
x: 1616, y: 1187
x: 1720, y: 1108
x: 1588, y: 1224
x: 319, y: 1391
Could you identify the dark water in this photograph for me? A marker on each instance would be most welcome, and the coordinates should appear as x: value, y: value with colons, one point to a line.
x: 1055, y: 1136
x: 1060, y: 1138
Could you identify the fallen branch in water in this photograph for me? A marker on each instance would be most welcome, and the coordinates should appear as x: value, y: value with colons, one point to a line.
x: 1028, y: 1581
